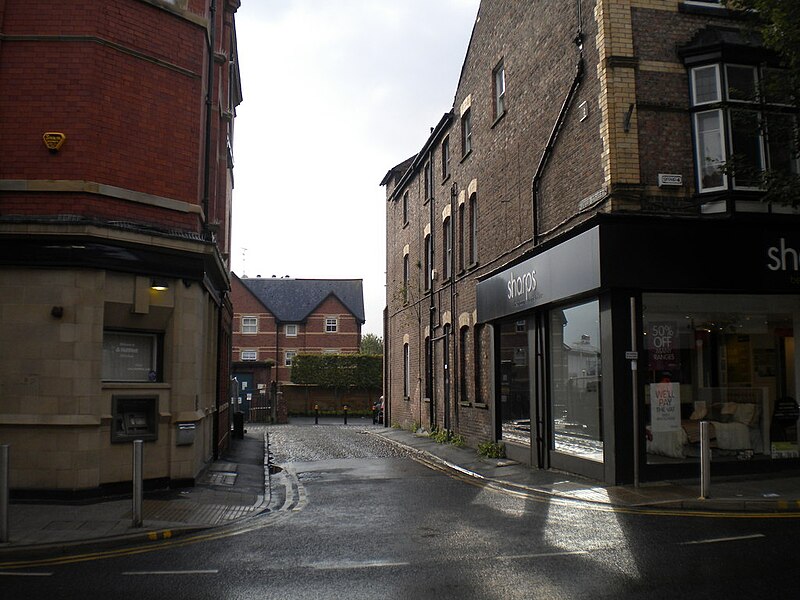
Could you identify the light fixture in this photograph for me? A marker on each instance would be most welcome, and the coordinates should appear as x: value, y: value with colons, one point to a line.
x: 159, y: 284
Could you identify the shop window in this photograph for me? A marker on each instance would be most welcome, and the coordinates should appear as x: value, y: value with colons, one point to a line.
x: 726, y: 359
x: 514, y: 414
x: 576, y: 380
x: 134, y: 418
x: 131, y: 357
x: 743, y: 126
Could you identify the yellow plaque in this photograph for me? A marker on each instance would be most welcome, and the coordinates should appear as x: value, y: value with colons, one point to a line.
x: 54, y: 140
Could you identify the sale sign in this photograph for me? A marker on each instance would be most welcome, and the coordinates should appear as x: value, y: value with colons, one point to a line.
x: 665, y: 406
x: 662, y: 346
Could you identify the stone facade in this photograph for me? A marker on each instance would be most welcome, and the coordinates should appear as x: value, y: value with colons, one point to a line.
x: 92, y: 356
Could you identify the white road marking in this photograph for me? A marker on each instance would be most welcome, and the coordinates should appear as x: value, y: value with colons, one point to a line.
x: 194, y: 572
x: 24, y: 574
x: 542, y: 555
x: 728, y: 539
x: 376, y: 564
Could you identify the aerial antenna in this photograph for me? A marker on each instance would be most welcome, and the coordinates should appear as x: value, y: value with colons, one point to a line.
x: 244, y: 260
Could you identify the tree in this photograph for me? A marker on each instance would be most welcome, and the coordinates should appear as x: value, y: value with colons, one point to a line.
x: 777, y: 22
x: 371, y: 344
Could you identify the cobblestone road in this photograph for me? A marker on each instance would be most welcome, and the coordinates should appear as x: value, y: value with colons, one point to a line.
x: 301, y: 441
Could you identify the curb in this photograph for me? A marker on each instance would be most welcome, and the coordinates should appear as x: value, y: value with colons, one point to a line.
x: 731, y: 507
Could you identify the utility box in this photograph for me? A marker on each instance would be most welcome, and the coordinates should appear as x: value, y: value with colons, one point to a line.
x: 186, y: 433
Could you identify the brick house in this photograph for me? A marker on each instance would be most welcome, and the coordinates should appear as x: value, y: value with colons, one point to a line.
x: 277, y: 318
x: 573, y: 269
x: 115, y: 202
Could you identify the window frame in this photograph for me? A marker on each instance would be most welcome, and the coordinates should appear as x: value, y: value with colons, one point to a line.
x: 446, y: 158
x: 288, y: 356
x: 286, y: 329
x: 461, y: 220
x: 428, y: 177
x: 463, y: 351
x: 473, y: 229
x: 729, y: 112
x: 499, y: 88
x: 428, y: 279
x: 406, y: 371
x: 406, y: 276
x: 466, y: 133
x: 248, y: 352
x: 331, y: 324
x: 154, y: 368
x: 447, y: 248
x: 243, y: 327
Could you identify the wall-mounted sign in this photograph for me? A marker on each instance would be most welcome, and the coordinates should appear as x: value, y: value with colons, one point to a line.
x: 54, y: 140
x: 560, y: 272
x: 667, y: 179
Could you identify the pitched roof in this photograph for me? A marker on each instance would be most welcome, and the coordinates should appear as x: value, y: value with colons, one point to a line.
x: 293, y: 300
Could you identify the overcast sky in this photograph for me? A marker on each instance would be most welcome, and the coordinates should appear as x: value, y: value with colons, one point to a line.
x: 336, y: 92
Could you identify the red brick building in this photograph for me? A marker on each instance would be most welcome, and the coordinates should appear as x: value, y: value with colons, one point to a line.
x: 275, y: 319
x: 115, y: 202
x: 573, y: 219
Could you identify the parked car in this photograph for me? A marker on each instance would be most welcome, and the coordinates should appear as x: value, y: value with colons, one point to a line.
x: 377, y: 411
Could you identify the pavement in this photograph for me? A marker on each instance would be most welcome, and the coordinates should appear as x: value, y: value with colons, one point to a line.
x: 239, y: 487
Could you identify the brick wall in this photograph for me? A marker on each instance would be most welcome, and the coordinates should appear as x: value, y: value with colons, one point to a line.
x: 627, y: 122
x: 109, y: 75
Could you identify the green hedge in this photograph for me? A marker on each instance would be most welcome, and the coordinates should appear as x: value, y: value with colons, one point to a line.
x: 338, y: 370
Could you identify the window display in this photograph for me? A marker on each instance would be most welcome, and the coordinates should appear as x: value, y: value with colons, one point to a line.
x: 729, y: 360
x: 575, y: 376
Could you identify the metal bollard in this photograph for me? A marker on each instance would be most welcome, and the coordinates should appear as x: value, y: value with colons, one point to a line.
x: 345, y: 414
x: 316, y: 414
x: 4, y: 495
x: 137, y: 483
x: 705, y: 459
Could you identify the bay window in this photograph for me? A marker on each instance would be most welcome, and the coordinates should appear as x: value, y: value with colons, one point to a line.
x: 743, y: 126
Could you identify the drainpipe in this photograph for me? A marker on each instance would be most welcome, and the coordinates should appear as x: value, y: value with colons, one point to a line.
x: 551, y: 142
x: 431, y: 319
x: 212, y: 24
x: 453, y: 318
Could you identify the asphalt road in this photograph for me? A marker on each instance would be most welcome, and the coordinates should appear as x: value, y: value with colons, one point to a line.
x: 372, y: 522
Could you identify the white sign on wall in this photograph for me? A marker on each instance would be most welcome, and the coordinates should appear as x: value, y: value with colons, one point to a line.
x: 665, y: 406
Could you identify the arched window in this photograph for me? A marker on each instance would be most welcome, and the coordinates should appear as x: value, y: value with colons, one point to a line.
x: 473, y: 229
x: 406, y: 371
